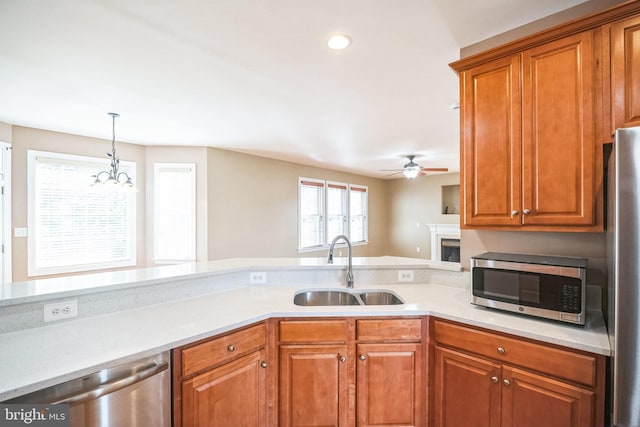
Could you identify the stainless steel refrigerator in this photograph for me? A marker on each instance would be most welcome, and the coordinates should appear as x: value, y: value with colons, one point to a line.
x: 623, y: 259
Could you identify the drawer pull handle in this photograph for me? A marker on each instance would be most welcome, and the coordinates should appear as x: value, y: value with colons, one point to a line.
x: 506, y: 382
x: 494, y: 380
x: 501, y: 350
x: 231, y: 348
x: 264, y: 364
x: 343, y: 359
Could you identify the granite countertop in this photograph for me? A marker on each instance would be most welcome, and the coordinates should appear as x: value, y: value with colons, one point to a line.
x: 43, y: 356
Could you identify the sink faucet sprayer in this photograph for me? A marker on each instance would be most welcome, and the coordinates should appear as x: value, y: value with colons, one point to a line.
x: 330, y: 258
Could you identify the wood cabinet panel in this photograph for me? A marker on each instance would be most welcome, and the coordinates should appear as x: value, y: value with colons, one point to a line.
x: 573, y: 366
x: 531, y: 400
x: 464, y: 392
x: 491, y: 143
x: 558, y: 132
x: 314, y: 385
x: 389, y: 386
x: 389, y: 330
x: 232, y: 394
x: 302, y: 331
x: 219, y: 350
x: 625, y: 72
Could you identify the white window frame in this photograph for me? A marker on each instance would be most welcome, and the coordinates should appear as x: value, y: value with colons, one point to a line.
x: 319, y: 183
x: 99, y: 164
x: 362, y: 189
x: 188, y: 212
x: 345, y: 209
x: 326, y: 241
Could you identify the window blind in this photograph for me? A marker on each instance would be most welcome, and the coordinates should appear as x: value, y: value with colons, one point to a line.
x: 72, y: 226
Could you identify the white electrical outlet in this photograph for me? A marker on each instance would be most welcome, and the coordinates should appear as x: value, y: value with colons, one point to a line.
x: 257, y: 277
x: 405, y: 275
x: 60, y: 310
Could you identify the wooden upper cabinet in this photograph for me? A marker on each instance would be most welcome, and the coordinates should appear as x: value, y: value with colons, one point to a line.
x: 491, y: 143
x: 625, y: 72
x: 558, y: 133
x: 529, y: 159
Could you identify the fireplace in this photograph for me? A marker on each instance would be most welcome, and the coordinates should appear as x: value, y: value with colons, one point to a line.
x: 445, y: 242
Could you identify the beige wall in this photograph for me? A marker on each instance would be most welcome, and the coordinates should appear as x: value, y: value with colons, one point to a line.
x: 5, y: 132
x: 253, y: 206
x: 586, y: 245
x: 413, y: 204
x: 23, y: 139
x: 197, y: 155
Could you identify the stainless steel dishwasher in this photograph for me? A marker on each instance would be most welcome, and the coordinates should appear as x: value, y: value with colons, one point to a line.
x: 136, y: 394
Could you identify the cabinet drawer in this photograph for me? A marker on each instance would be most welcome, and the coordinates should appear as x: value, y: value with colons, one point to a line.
x: 302, y: 331
x: 389, y: 330
x: 219, y: 350
x: 568, y: 365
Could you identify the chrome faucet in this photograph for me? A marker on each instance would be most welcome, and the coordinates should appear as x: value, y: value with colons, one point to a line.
x: 330, y: 258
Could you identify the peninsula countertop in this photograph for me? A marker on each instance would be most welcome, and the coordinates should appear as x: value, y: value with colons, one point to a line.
x: 38, y: 357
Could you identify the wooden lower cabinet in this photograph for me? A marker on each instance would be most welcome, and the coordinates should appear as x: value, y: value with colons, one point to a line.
x: 348, y: 372
x: 533, y: 400
x: 314, y: 385
x: 233, y: 394
x: 389, y: 386
x: 486, y: 379
x: 464, y: 392
x: 224, y: 381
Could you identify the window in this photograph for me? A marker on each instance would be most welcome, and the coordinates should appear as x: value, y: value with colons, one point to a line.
x: 358, y: 209
x: 337, y: 209
x: 311, y: 213
x: 343, y: 205
x: 73, y: 226
x: 174, y: 211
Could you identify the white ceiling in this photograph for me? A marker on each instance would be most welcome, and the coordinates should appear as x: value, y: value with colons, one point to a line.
x: 252, y: 75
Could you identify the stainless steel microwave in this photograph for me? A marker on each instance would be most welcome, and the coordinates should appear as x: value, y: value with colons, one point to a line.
x: 544, y: 286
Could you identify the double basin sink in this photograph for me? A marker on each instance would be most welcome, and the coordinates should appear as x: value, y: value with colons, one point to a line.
x: 325, y: 297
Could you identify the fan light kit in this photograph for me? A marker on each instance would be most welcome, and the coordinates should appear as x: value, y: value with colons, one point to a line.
x: 412, y: 170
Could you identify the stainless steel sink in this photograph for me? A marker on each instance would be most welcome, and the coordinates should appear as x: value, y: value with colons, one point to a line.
x: 380, y: 298
x: 321, y: 297
x: 325, y: 297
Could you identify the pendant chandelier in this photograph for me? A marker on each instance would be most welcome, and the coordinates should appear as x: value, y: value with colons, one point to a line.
x: 113, y: 176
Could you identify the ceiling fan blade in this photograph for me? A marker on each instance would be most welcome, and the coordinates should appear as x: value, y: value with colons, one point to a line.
x: 395, y: 173
x: 434, y: 169
x: 391, y: 170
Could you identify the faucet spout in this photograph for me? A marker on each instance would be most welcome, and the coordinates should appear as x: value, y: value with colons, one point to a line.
x: 330, y: 257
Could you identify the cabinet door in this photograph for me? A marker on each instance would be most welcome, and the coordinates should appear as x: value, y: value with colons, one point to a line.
x: 531, y: 400
x: 389, y: 385
x: 232, y: 394
x: 314, y: 385
x: 625, y: 72
x: 558, y: 133
x: 467, y: 390
x: 491, y: 143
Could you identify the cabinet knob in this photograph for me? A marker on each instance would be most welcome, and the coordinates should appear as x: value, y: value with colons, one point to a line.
x: 363, y: 357
x: 231, y: 348
x: 506, y: 382
x: 501, y: 350
x: 514, y: 212
x: 526, y: 211
x: 343, y: 359
x: 264, y: 364
x: 494, y: 380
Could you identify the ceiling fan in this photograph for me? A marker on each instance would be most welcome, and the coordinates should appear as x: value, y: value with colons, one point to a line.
x: 412, y: 169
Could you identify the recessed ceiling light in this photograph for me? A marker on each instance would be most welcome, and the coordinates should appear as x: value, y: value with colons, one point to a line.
x: 339, y: 41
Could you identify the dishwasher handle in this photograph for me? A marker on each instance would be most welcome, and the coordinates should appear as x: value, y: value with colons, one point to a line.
x: 146, y: 371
